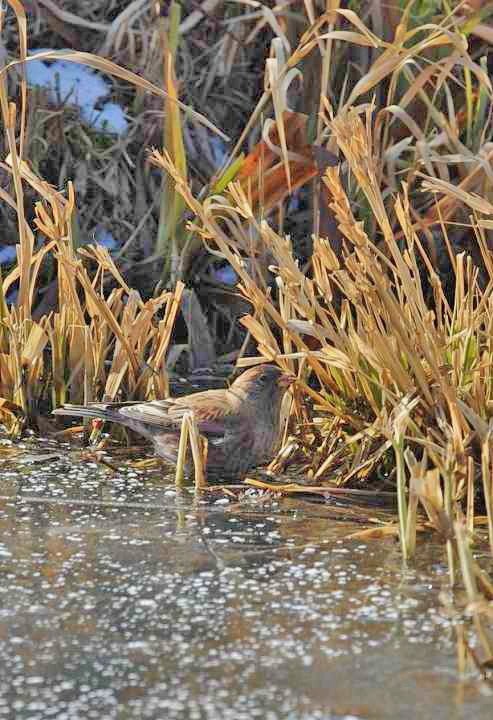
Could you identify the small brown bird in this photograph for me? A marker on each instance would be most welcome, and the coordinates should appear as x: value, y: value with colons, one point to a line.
x: 241, y: 423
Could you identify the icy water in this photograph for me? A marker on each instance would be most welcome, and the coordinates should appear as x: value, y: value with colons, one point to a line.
x: 120, y: 598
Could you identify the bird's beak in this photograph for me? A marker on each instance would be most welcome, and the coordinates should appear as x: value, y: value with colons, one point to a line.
x: 286, y: 380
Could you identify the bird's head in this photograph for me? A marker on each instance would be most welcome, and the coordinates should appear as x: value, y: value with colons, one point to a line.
x: 267, y: 382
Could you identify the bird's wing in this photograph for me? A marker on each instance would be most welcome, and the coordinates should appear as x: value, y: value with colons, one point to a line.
x: 214, y: 411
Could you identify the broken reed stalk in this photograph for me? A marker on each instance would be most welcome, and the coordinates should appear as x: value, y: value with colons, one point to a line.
x: 477, y: 607
x: 416, y: 471
x: 182, y: 452
x: 400, y: 468
x: 199, y: 452
x: 191, y: 439
x: 487, y: 477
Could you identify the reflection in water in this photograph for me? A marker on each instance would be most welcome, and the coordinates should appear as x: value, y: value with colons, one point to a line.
x: 120, y: 598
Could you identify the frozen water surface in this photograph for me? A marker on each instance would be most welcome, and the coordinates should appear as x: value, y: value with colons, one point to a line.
x: 120, y: 598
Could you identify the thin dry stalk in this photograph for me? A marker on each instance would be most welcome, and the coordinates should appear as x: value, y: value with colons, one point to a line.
x: 182, y: 452
x: 198, y: 447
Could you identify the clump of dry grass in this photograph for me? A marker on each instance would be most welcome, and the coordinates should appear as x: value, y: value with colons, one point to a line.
x: 90, y: 341
x: 97, y: 342
x: 398, y: 367
x: 393, y: 371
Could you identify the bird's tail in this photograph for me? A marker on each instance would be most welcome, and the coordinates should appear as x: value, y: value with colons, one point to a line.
x: 103, y: 411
